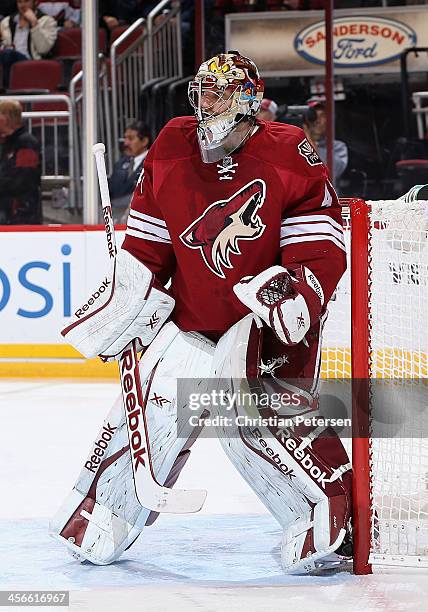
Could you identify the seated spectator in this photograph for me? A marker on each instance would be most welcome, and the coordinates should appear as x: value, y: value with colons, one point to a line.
x: 315, y: 126
x: 19, y: 169
x: 114, y: 13
x: 27, y: 34
x: 66, y: 14
x: 127, y: 171
x: 268, y: 110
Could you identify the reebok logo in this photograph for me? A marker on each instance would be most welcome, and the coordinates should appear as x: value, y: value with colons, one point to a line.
x: 100, y: 448
x: 80, y: 311
x: 314, y: 283
x: 133, y: 403
x: 273, y: 364
x: 304, y: 459
x: 108, y: 222
x: 273, y: 456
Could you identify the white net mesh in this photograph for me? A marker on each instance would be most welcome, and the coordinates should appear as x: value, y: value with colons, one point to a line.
x: 398, y: 323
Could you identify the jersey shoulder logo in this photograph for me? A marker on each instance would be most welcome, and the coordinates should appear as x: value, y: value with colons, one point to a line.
x: 217, y: 231
x: 307, y: 151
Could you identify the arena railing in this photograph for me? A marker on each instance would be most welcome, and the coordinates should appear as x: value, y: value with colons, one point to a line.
x: 129, y: 70
x: 164, y: 41
x: 420, y: 102
x: 105, y: 121
x: 147, y: 51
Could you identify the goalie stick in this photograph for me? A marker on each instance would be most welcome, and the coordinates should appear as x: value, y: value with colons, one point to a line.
x: 149, y: 492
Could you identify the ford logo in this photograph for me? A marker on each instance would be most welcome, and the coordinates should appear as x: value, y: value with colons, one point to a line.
x: 357, y: 41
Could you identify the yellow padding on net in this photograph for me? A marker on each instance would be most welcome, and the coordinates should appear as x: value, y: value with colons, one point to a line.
x: 386, y: 363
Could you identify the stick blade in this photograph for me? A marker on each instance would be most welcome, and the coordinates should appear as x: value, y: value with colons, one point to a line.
x: 173, y: 501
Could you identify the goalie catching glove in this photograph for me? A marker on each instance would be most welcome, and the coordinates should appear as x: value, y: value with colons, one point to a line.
x: 289, y: 300
x: 124, y: 307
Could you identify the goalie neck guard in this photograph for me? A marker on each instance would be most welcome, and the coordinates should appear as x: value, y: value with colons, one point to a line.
x: 226, y: 95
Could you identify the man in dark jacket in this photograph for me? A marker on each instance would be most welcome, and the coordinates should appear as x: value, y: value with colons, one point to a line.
x: 19, y: 169
x: 127, y: 171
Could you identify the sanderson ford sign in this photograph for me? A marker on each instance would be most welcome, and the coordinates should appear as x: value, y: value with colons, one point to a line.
x: 364, y: 40
x: 357, y: 41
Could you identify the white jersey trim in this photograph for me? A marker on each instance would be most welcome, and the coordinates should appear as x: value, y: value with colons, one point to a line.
x: 312, y: 238
x: 150, y: 228
x: 314, y: 228
x: 146, y: 236
x: 311, y: 219
x: 135, y: 214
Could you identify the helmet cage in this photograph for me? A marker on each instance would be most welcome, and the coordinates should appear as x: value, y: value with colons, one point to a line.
x: 222, y: 96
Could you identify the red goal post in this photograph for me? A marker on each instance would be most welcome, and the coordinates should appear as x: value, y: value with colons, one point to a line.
x: 377, y: 330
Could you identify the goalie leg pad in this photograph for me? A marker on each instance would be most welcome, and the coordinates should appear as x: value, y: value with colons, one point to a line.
x: 302, y: 478
x: 102, y: 516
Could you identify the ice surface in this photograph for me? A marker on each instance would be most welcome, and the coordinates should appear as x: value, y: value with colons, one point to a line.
x: 225, y: 558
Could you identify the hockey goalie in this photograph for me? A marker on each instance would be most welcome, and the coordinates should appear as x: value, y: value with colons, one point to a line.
x: 239, y: 216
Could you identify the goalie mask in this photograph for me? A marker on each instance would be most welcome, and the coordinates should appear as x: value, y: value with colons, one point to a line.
x: 226, y: 96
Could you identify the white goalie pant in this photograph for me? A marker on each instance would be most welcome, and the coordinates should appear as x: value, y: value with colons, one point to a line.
x: 102, y: 517
x: 304, y: 494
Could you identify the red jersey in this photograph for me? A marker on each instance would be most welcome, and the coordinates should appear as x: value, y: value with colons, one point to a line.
x: 205, y: 226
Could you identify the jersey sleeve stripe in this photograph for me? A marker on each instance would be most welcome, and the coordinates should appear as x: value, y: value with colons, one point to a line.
x: 313, y: 228
x: 146, y: 236
x: 312, y: 238
x: 312, y: 219
x: 137, y: 215
x: 151, y: 228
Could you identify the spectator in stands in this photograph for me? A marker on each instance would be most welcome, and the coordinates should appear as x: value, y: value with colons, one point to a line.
x: 268, y: 110
x: 315, y: 126
x: 27, y: 34
x: 19, y: 169
x: 114, y: 13
x: 128, y: 170
x: 66, y: 14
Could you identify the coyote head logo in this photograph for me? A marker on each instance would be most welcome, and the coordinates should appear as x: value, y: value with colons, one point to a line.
x: 217, y: 231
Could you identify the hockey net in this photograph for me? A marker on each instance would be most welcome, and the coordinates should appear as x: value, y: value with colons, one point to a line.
x: 386, y: 290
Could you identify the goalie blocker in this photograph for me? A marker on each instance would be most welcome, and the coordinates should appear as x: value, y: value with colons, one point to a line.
x: 130, y: 304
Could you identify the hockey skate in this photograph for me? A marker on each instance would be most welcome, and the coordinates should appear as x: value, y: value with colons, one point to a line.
x: 339, y: 559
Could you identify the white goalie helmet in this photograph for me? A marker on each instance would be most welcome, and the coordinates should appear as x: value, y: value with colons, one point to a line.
x: 226, y: 95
